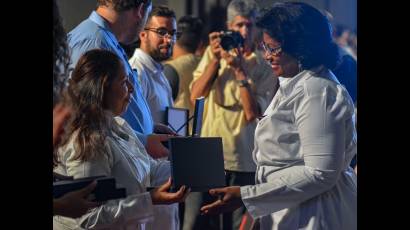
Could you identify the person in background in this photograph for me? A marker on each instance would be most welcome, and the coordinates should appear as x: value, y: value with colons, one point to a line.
x: 342, y: 36
x: 179, y: 70
x: 157, y: 39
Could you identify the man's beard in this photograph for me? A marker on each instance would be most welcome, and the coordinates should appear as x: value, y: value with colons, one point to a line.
x: 157, y: 55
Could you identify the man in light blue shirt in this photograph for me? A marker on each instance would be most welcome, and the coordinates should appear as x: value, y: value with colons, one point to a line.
x: 117, y: 21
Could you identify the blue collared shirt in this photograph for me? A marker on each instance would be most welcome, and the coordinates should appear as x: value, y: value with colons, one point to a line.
x: 94, y: 33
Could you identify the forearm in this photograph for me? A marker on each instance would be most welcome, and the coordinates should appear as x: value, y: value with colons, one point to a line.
x: 203, y: 85
x: 295, y: 185
x: 249, y: 103
x: 135, y: 208
x: 160, y: 172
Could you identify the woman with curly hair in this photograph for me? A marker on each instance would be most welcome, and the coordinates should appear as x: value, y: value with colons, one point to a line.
x: 306, y: 139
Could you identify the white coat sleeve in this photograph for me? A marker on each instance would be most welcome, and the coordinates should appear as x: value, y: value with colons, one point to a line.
x: 160, y: 171
x: 321, y: 126
x: 134, y: 209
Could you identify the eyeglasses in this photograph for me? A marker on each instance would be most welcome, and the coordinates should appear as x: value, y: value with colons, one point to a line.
x: 162, y: 32
x: 275, y: 51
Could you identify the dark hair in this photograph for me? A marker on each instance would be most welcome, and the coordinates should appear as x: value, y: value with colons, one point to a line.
x: 90, y: 80
x: 303, y: 32
x: 61, y: 57
x: 189, y: 32
x: 122, y: 5
x: 161, y: 11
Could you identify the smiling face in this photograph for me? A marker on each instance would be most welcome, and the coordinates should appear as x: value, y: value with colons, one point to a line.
x: 153, y: 40
x: 118, y: 94
x: 282, y: 64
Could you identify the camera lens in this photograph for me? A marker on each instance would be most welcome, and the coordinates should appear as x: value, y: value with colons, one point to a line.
x: 231, y: 40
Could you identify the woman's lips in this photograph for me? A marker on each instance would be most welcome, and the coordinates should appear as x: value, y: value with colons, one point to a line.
x: 274, y: 65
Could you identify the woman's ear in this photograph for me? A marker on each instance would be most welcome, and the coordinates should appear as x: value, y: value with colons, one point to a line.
x: 143, y: 35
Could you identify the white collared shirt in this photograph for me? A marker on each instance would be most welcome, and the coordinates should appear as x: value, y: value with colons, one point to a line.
x: 155, y: 86
x: 303, y: 148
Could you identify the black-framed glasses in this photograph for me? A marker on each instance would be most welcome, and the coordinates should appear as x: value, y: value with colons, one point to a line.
x: 275, y: 51
x: 162, y: 32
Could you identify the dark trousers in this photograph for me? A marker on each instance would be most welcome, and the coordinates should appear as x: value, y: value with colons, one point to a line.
x: 192, y: 219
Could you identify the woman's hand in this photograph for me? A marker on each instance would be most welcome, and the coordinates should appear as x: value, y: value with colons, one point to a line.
x: 230, y: 200
x: 163, y: 129
x: 75, y: 204
x: 162, y: 196
x: 154, y: 145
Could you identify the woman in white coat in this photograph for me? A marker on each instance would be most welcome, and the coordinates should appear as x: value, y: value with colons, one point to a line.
x: 306, y: 138
x: 101, y: 143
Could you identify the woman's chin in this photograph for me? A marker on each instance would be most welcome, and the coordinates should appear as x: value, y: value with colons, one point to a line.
x: 276, y: 70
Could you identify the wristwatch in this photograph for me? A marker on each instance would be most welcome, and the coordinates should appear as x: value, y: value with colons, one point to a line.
x: 244, y: 83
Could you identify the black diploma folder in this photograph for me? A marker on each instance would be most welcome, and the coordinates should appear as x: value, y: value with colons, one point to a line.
x: 105, y: 189
x: 197, y: 162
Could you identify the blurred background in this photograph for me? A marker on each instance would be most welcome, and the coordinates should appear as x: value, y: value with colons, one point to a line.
x: 212, y: 12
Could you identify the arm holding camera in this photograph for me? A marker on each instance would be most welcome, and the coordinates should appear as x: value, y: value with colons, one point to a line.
x: 248, y: 99
x: 202, y: 86
x: 235, y: 59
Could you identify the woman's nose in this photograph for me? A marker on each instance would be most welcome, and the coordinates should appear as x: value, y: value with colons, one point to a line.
x: 268, y: 57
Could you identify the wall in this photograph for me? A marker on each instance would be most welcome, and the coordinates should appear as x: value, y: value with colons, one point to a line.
x: 74, y: 11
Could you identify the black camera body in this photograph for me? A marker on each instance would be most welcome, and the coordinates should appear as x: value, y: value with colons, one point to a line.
x: 231, y: 39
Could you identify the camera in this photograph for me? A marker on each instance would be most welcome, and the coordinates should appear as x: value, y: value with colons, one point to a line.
x: 231, y: 39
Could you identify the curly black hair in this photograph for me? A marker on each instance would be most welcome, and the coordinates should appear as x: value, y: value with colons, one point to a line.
x: 303, y: 32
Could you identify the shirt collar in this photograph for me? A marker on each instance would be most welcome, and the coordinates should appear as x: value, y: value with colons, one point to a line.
x: 100, y: 21
x: 286, y: 85
x: 148, y: 61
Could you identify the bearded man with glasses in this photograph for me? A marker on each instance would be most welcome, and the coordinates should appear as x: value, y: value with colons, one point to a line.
x: 157, y: 40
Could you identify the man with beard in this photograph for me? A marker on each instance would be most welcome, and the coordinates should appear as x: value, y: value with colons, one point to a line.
x: 157, y: 40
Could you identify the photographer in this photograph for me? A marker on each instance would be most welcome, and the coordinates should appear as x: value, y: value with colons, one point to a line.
x: 238, y: 86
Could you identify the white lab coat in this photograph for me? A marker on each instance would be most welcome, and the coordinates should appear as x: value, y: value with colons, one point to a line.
x: 303, y: 147
x: 127, y: 161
